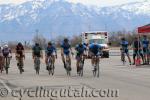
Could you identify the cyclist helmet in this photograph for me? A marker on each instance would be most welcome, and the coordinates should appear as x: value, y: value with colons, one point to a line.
x: 50, y: 43
x: 80, y: 45
x: 6, y: 46
x: 145, y: 36
x: 36, y: 44
x: 19, y: 44
x: 123, y: 39
x: 66, y: 40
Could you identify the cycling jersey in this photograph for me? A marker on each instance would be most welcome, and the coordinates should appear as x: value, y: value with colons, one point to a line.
x: 1, y: 53
x: 94, y: 48
x: 19, y: 50
x: 66, y: 47
x: 137, y: 47
x: 37, y: 51
x: 124, y: 45
x: 6, y: 52
x: 145, y: 43
x: 80, y: 50
x: 50, y: 50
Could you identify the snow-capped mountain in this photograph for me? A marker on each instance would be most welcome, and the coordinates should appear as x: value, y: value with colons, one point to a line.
x: 62, y: 17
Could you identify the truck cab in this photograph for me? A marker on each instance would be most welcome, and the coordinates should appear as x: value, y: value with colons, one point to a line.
x: 100, y: 37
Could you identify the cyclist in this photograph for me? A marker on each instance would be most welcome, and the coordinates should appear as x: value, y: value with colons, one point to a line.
x: 65, y: 51
x: 6, y: 54
x: 94, y: 50
x: 80, y: 49
x: 124, y: 48
x: 145, y: 44
x: 137, y: 49
x: 50, y: 52
x: 37, y: 51
x: 20, y: 54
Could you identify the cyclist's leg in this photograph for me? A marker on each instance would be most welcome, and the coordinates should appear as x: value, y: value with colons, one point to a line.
x: 122, y: 55
x: 22, y: 64
x: 129, y: 59
x: 63, y: 59
x: 77, y: 63
x: 53, y: 60
x: 69, y: 58
x: 92, y: 59
x: 147, y: 55
x: 141, y: 54
x: 1, y: 63
x: 134, y: 56
x: 144, y: 55
x: 46, y: 60
x: 128, y: 55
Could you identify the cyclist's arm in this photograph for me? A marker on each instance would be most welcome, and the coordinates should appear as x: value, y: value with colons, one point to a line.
x: 62, y: 51
x: 71, y: 50
x: 41, y: 53
x: 55, y: 50
x: 16, y: 52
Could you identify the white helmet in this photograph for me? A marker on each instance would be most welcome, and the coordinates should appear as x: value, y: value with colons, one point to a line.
x: 6, y: 46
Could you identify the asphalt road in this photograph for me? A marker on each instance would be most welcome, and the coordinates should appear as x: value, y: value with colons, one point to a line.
x: 116, y: 82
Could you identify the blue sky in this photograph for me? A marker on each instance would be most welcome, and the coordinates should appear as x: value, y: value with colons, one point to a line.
x: 86, y: 2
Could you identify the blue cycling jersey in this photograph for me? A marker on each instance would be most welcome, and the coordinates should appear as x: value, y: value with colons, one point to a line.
x: 145, y: 43
x: 80, y: 49
x: 65, y: 46
x: 94, y: 48
x: 50, y: 50
x: 124, y: 44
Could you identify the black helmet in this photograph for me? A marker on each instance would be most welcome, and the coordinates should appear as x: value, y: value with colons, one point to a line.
x: 49, y: 43
x: 19, y: 44
x: 123, y: 39
x: 36, y: 44
x: 66, y: 40
x: 145, y: 36
x: 80, y: 44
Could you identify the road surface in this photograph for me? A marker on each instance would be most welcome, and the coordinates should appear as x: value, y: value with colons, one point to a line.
x: 116, y: 82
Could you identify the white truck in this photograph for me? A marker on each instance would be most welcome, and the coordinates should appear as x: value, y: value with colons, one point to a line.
x: 101, y: 37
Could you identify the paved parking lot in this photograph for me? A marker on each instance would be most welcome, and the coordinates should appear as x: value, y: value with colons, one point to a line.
x: 125, y: 81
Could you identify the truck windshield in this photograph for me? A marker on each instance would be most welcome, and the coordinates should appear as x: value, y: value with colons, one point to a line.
x: 99, y: 41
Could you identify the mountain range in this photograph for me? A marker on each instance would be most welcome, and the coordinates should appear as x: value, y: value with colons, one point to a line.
x: 59, y: 17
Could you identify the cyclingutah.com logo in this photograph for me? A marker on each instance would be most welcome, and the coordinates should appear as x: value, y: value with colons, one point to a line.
x: 59, y: 93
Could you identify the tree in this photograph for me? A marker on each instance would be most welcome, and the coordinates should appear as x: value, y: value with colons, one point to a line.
x: 39, y: 38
